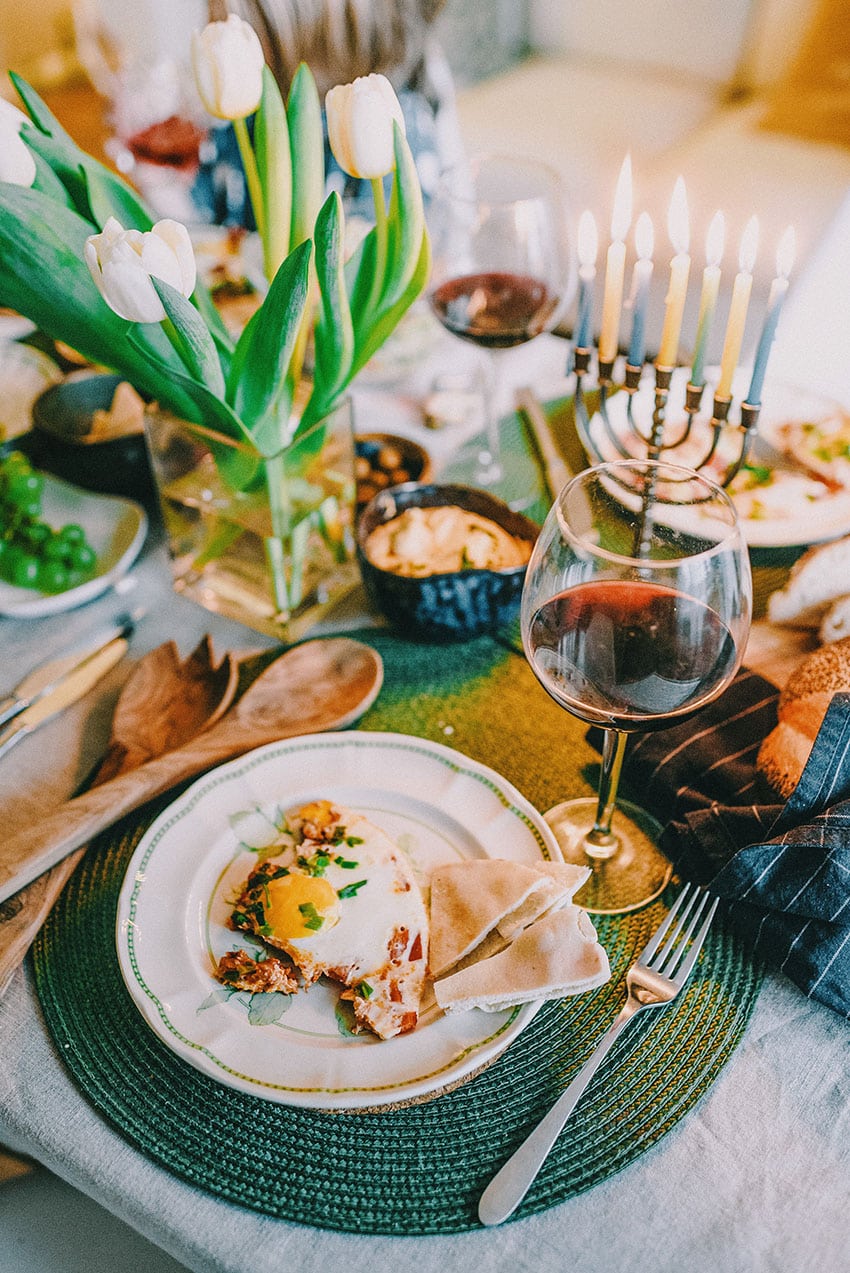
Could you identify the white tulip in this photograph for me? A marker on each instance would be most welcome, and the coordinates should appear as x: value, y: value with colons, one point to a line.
x: 17, y: 164
x: 122, y: 263
x: 228, y: 61
x: 360, y: 125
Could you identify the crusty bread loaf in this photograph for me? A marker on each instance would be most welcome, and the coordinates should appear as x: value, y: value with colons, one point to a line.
x: 820, y: 578
x: 803, y: 704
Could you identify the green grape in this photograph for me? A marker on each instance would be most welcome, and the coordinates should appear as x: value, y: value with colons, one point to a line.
x: 32, y: 553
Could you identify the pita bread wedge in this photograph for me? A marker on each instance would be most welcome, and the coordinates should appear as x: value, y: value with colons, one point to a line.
x: 557, y: 956
x: 489, y: 900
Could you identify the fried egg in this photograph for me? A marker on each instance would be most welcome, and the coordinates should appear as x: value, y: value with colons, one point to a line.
x: 343, y: 902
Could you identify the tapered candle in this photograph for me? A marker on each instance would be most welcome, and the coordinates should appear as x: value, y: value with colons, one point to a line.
x: 679, y: 231
x: 612, y: 301
x: 714, y: 244
x: 736, y: 321
x: 588, y: 246
x: 641, y: 277
x: 778, y: 289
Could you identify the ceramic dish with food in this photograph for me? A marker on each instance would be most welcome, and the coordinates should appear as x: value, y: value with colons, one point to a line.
x: 89, y: 430
x: 794, y: 489
x: 444, y: 562
x: 24, y: 374
x: 387, y: 459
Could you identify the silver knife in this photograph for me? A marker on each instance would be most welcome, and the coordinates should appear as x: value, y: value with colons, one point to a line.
x: 556, y: 470
x: 47, y: 676
x: 70, y: 689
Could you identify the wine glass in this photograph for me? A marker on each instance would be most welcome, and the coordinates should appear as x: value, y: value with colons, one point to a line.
x: 501, y: 266
x: 635, y: 613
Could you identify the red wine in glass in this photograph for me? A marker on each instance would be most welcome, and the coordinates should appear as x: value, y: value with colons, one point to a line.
x: 494, y: 309
x: 635, y: 611
x: 501, y: 267
x: 628, y: 654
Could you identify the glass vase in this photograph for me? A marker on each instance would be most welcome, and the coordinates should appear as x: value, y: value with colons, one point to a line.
x: 265, y: 539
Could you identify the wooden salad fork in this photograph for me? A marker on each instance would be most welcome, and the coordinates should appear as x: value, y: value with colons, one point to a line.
x: 653, y: 981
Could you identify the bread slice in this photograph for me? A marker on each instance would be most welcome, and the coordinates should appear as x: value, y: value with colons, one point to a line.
x: 818, y: 579
x: 556, y: 956
x: 489, y: 900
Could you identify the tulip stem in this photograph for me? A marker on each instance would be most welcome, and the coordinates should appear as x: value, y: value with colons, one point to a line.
x: 381, y: 228
x: 252, y: 176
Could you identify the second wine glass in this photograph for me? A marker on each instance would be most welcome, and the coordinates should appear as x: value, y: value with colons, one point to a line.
x: 501, y: 266
x: 635, y: 614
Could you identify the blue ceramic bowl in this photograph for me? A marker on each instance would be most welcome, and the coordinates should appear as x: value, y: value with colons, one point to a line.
x: 456, y: 606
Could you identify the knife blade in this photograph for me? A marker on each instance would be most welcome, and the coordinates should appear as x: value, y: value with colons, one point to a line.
x: 556, y: 470
x: 47, y: 676
x: 70, y: 689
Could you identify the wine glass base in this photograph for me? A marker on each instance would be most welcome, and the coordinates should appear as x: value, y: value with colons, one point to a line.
x: 634, y: 874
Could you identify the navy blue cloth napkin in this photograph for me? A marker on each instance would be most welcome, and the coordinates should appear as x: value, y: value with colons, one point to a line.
x: 782, y: 868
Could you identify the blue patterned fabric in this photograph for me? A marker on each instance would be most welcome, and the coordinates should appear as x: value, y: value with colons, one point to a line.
x: 783, y: 870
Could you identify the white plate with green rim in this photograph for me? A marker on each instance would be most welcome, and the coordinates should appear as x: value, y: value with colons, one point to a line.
x: 436, y: 804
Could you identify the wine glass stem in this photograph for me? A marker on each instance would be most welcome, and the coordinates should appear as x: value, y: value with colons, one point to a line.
x: 490, y: 456
x: 601, y: 842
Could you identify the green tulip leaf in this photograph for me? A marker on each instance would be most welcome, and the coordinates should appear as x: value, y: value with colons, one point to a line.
x: 271, y: 146
x: 196, y: 346
x: 261, y: 358
x: 68, y: 161
x: 334, y: 336
x: 46, y: 180
x: 238, y: 465
x: 359, y: 271
x: 406, y: 223
x: 390, y: 318
x: 307, y: 145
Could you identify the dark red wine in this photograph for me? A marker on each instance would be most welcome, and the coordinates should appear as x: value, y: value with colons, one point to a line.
x: 493, y: 309
x: 629, y: 654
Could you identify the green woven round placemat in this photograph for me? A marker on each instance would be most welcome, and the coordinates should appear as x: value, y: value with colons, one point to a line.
x: 419, y: 1169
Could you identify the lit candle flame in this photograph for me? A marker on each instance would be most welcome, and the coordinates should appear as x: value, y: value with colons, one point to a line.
x: 644, y: 237
x: 621, y: 216
x: 749, y: 246
x: 677, y: 218
x: 715, y: 240
x: 588, y: 240
x: 786, y: 252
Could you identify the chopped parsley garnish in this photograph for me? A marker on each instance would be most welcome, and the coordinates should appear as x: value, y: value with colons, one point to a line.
x: 350, y: 890
x: 365, y: 990
x: 351, y: 840
x: 312, y: 918
x: 344, y: 864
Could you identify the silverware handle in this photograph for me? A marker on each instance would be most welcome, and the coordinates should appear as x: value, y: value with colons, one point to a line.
x: 513, y: 1180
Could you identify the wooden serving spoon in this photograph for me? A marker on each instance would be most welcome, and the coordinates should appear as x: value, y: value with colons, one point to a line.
x: 321, y: 685
x: 163, y: 705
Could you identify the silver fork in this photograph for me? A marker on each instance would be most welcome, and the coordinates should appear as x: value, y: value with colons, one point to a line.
x: 653, y: 981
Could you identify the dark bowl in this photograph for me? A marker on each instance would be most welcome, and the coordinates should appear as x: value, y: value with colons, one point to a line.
x: 62, y: 418
x: 379, y: 451
x: 458, y: 605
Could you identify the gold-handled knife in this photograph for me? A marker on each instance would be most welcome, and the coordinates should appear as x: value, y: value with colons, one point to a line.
x: 47, y: 676
x: 556, y: 470
x: 68, y: 689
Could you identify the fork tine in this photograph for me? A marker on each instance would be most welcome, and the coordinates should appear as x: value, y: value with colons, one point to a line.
x: 662, y: 929
x: 677, y: 943
x: 696, y: 945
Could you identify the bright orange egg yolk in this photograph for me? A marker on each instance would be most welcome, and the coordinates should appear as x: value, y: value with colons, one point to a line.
x: 301, y: 906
